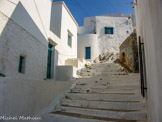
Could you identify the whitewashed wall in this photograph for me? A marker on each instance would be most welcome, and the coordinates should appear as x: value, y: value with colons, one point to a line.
x: 149, y: 27
x: 25, y: 29
x: 86, y: 30
x: 67, y: 24
x: 39, y: 24
x: 16, y: 41
x: 28, y: 97
x: 121, y: 26
x: 103, y: 42
x: 88, y: 40
x: 25, y: 33
x: 29, y: 15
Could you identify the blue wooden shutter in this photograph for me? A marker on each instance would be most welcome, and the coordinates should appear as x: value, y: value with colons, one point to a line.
x: 112, y: 30
x: 88, y: 52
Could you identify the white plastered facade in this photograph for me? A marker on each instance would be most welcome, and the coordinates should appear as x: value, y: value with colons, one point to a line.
x: 149, y: 27
x: 92, y: 34
x: 26, y: 29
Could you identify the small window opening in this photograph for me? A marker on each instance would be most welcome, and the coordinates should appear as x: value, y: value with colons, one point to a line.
x: 69, y: 39
x: 109, y: 30
x: 21, y: 65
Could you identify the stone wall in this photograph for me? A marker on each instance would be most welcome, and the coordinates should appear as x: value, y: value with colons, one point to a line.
x: 129, y: 53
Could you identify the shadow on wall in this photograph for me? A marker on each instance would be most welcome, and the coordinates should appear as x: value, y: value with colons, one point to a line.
x: 16, y: 39
x: 23, y: 96
x: 55, y: 21
x: 55, y: 63
x: 22, y: 18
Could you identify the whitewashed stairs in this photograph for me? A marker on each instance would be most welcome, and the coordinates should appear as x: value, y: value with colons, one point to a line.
x: 104, y: 93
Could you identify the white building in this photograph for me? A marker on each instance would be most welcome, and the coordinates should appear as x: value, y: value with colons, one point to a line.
x: 37, y: 39
x: 148, y: 15
x: 33, y: 41
x: 102, y: 34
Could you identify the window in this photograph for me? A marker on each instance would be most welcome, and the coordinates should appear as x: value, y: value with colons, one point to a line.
x: 109, y: 30
x: 69, y: 40
x: 70, y: 35
x: 88, y: 52
x: 21, y: 65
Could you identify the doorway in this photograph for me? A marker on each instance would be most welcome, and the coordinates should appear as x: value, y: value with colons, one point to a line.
x: 88, y: 53
x: 50, y: 61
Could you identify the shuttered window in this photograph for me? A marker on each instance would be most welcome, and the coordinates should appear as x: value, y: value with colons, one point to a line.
x: 109, y: 30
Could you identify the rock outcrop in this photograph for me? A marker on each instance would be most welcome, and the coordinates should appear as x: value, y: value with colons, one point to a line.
x: 107, y: 57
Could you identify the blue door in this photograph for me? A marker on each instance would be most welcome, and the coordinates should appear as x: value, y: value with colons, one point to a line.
x: 88, y: 53
x: 49, y: 61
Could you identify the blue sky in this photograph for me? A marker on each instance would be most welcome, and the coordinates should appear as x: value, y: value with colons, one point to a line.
x: 87, y: 8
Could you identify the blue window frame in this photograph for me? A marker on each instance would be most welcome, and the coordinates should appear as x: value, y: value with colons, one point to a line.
x: 88, y: 52
x: 69, y: 40
x: 109, y: 30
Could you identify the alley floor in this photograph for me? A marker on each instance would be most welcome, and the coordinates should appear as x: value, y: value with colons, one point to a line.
x: 102, y: 93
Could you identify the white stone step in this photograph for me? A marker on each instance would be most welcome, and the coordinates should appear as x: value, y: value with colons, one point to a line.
x: 98, y: 82
x: 119, y: 86
x: 95, y: 70
x: 113, y: 91
x: 103, y: 74
x: 103, y: 69
x: 109, y: 84
x: 104, y: 105
x: 105, y: 66
x: 135, y: 115
x: 113, y: 77
x: 63, y: 118
x: 105, y: 97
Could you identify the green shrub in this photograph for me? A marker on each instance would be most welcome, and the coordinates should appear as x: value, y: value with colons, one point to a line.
x: 2, y: 75
x: 86, y: 65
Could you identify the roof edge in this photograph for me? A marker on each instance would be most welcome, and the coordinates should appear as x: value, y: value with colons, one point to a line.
x: 62, y: 2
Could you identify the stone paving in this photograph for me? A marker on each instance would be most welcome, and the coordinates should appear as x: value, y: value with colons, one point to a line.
x: 102, y: 93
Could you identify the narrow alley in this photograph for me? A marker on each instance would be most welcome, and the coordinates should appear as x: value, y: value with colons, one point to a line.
x: 80, y: 60
x: 104, y: 92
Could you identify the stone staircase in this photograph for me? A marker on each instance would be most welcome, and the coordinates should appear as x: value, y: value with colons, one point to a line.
x: 103, y: 93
